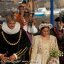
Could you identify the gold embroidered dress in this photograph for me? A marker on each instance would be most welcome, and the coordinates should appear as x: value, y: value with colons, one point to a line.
x: 41, y: 49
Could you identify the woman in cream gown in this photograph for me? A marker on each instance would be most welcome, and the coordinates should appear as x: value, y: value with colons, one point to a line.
x: 42, y: 45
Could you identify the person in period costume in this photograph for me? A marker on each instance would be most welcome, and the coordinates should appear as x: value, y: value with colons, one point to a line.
x: 58, y: 31
x: 42, y: 45
x: 14, y: 43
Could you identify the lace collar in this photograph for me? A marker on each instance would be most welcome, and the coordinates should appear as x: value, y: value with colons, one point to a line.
x: 7, y: 30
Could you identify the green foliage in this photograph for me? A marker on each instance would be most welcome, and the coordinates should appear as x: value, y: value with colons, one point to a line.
x: 55, y: 53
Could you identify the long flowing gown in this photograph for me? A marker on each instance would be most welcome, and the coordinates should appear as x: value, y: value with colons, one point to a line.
x: 41, y: 49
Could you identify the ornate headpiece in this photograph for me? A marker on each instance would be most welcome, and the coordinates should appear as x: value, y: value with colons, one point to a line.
x: 45, y: 25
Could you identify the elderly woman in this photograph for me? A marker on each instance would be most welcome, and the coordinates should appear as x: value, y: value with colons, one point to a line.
x: 14, y: 42
x: 42, y: 45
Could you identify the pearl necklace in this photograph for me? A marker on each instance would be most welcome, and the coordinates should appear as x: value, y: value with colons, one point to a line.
x: 10, y: 42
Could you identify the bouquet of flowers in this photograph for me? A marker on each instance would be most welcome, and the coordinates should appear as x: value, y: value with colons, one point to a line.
x: 54, y: 55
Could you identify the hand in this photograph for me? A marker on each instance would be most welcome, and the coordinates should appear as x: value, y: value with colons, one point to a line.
x: 3, y: 58
x: 12, y: 58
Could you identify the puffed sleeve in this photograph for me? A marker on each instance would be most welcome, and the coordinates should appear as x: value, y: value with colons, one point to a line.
x: 54, y: 44
x: 34, y: 49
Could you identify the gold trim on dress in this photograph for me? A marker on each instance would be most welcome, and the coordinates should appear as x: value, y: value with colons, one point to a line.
x: 22, y: 52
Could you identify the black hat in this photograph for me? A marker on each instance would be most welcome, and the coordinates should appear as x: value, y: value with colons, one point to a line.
x: 24, y: 1
x: 60, y: 19
x: 57, y: 19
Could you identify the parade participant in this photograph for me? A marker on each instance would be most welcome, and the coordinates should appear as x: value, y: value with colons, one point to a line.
x: 58, y: 32
x: 14, y: 42
x: 42, y: 45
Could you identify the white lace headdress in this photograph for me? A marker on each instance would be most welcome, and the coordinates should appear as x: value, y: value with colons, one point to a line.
x: 45, y: 25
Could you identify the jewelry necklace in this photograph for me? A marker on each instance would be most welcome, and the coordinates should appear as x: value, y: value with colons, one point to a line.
x: 10, y: 42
